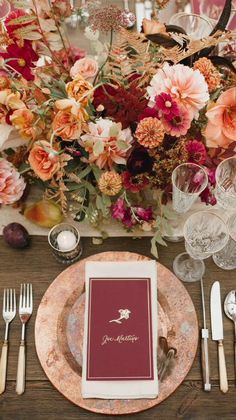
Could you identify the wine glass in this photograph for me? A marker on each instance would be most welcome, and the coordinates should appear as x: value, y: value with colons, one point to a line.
x: 226, y: 258
x: 225, y: 191
x: 205, y: 234
x: 196, y: 26
x: 188, y: 182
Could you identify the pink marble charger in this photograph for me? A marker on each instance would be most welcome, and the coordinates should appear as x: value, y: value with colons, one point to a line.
x: 59, y: 333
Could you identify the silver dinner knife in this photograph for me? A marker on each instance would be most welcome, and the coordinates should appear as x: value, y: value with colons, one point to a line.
x: 217, y: 333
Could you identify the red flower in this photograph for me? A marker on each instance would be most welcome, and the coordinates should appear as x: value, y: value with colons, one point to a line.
x: 166, y: 105
x: 134, y: 183
x: 148, y: 112
x: 197, y: 152
x: 21, y: 59
x: 12, y: 27
x: 122, y: 105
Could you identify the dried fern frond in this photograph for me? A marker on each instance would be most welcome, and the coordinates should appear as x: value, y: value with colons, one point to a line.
x: 177, y: 54
x: 130, y: 54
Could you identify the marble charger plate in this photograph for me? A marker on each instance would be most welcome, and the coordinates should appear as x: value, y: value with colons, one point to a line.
x: 59, y: 334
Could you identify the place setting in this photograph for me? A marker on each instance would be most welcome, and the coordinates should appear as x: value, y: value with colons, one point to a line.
x: 117, y: 206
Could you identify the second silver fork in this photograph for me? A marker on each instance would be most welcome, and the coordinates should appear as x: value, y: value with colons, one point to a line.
x: 25, y: 311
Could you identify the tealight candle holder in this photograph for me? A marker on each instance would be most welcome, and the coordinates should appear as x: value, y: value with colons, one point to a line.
x: 65, y: 241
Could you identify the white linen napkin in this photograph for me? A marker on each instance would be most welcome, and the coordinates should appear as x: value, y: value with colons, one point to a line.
x: 122, y: 389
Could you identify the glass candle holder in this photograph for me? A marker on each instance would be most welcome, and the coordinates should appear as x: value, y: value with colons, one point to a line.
x: 65, y: 241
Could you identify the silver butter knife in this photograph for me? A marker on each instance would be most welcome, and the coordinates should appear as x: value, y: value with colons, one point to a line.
x: 217, y: 333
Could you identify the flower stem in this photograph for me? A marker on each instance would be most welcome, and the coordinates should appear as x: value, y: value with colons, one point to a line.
x: 105, y: 62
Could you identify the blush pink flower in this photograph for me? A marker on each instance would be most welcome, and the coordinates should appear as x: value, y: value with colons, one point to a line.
x: 221, y: 127
x: 178, y: 125
x: 86, y: 67
x: 12, y: 185
x: 185, y: 85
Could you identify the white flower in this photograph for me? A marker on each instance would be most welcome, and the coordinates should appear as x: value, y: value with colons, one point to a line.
x: 106, y: 143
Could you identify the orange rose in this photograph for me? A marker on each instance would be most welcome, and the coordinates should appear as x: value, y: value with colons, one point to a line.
x: 153, y: 27
x: 79, y: 89
x: 23, y: 120
x: 67, y: 125
x: 221, y: 128
x: 44, y: 160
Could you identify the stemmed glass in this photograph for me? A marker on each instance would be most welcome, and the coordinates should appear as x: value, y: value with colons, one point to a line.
x: 225, y: 191
x: 205, y: 234
x: 188, y: 182
x: 196, y: 26
x: 226, y: 258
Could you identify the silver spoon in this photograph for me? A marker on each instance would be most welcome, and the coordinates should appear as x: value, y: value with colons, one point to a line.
x: 230, y: 311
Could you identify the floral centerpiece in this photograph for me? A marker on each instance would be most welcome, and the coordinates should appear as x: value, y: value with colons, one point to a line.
x: 102, y: 139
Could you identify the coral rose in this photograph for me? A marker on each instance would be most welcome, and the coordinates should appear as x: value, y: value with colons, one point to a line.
x: 79, y: 89
x: 221, y: 127
x: 12, y: 185
x: 67, y: 125
x: 23, y: 120
x: 44, y: 160
x: 86, y: 67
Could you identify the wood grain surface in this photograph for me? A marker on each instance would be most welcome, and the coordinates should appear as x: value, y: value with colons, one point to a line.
x: 42, y: 401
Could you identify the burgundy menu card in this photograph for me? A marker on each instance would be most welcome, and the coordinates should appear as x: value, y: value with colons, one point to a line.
x: 120, y: 330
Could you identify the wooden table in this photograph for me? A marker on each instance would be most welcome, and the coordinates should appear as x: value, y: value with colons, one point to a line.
x: 42, y: 401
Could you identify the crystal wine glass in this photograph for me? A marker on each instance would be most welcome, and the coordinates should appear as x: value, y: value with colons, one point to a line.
x: 205, y: 233
x: 226, y: 258
x: 196, y: 26
x: 188, y: 181
x: 225, y: 191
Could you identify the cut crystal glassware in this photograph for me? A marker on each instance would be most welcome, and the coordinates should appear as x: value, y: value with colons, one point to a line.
x: 226, y: 258
x: 225, y: 191
x: 205, y: 233
x: 188, y: 181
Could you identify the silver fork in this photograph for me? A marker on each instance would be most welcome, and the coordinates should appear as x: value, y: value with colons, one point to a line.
x: 25, y: 311
x: 8, y: 313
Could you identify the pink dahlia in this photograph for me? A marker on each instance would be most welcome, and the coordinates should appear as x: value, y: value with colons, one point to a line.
x: 178, y: 125
x: 166, y: 105
x: 197, y: 152
x: 12, y: 185
x: 185, y: 85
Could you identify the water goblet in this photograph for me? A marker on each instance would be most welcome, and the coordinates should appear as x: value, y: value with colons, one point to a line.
x: 196, y: 26
x: 188, y: 182
x: 226, y: 258
x: 225, y: 191
x: 205, y: 233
